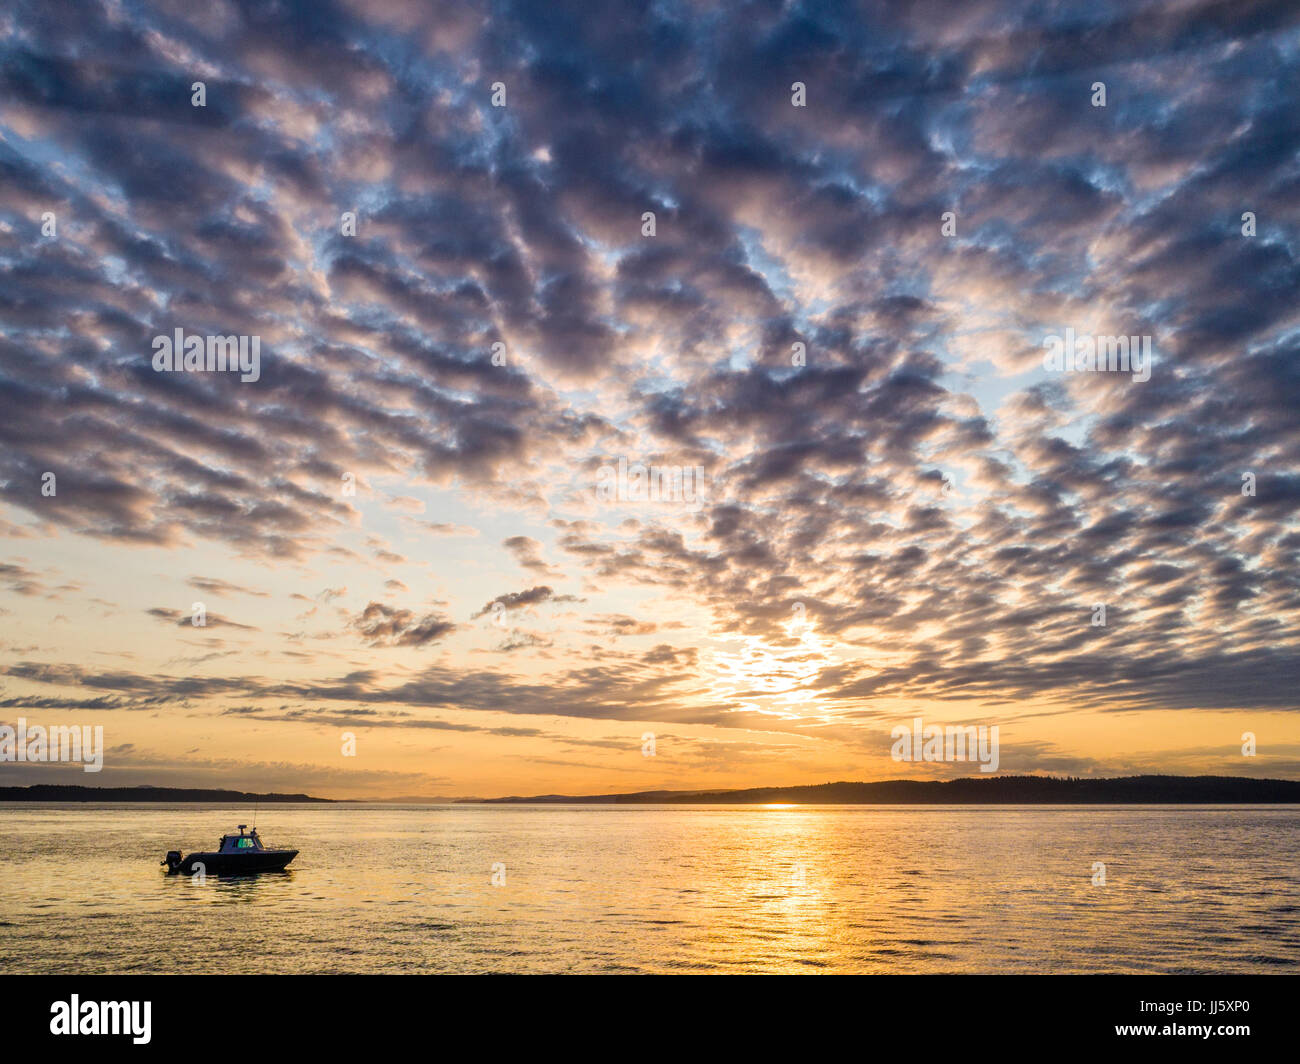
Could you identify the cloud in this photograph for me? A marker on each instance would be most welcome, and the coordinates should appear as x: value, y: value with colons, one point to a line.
x: 383, y: 625
x: 528, y: 553
x: 222, y: 588
x: 523, y: 600
x: 210, y: 620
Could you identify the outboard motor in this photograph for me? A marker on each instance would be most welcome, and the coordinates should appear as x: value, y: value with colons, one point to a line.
x: 173, y: 860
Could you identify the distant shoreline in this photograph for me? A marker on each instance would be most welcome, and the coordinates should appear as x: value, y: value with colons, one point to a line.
x: 46, y: 792
x: 995, y: 790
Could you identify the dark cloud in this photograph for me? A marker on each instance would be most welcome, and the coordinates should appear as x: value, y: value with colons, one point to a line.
x: 523, y: 600
x: 383, y: 625
x: 182, y: 619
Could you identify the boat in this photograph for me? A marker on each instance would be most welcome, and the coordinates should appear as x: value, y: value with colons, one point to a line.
x: 237, y: 855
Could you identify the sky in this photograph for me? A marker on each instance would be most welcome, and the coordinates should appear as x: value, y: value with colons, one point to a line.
x: 806, y: 258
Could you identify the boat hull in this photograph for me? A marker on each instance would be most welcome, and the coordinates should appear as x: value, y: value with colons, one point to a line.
x: 234, y: 864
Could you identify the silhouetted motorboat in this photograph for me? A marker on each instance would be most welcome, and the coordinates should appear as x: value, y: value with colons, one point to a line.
x: 238, y: 855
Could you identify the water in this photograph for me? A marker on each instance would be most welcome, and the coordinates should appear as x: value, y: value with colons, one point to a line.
x: 658, y: 889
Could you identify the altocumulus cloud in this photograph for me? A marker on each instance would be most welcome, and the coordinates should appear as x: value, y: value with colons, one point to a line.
x: 944, y: 513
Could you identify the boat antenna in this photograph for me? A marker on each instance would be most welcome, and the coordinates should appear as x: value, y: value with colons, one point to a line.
x: 255, y: 805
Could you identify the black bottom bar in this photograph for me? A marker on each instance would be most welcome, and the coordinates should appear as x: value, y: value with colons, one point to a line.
x: 204, y: 1016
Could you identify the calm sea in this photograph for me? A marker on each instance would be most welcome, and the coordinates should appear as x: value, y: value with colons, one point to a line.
x: 658, y: 889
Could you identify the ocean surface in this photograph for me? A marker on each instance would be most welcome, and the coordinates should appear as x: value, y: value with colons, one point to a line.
x: 594, y: 889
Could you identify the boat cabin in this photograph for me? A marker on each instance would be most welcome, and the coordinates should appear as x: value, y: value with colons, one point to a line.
x: 246, y: 841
